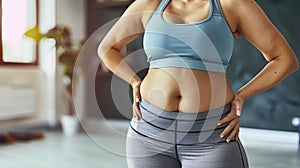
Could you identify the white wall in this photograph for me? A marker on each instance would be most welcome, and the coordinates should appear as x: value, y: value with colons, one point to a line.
x: 46, y: 77
x: 39, y: 77
x: 24, y: 77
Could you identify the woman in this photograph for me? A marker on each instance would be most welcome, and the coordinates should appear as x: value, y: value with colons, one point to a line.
x: 185, y: 112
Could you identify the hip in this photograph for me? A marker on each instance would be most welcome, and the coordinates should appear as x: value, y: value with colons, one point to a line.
x: 179, y: 127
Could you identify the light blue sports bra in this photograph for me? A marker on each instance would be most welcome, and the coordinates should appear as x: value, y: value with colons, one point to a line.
x: 204, y: 45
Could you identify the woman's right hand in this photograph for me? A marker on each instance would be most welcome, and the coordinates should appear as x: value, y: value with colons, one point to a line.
x: 136, y: 98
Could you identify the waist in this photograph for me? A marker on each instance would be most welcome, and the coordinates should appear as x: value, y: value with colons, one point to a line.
x: 151, y: 112
x: 186, y: 90
x: 178, y: 127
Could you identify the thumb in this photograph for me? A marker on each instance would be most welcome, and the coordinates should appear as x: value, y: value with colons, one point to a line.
x: 137, y: 95
x: 137, y: 98
x: 238, y: 107
x: 238, y: 112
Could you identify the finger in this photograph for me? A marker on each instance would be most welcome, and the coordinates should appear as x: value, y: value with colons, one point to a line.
x: 238, y: 109
x: 137, y: 99
x: 136, y: 94
x: 233, y: 133
x: 133, y: 112
x: 139, y: 115
x: 237, y: 135
x: 238, y: 112
x: 136, y: 111
x: 227, y: 118
x: 229, y: 127
x: 237, y: 105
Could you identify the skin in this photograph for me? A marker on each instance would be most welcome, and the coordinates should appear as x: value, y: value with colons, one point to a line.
x: 210, y: 89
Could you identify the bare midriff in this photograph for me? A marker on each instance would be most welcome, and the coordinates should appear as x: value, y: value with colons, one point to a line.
x: 186, y: 90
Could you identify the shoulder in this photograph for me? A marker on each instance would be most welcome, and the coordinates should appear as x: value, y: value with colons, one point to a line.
x: 240, y: 7
x: 144, y: 5
x: 237, y: 7
x: 142, y: 10
x: 236, y: 4
x: 237, y: 11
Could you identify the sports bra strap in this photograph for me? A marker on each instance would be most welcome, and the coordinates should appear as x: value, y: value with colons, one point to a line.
x: 217, y: 8
x: 162, y: 5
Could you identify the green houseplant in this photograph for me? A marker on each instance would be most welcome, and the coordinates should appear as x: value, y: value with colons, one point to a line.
x: 66, y: 59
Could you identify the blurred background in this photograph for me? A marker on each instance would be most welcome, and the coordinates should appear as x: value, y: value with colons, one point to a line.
x: 41, y: 127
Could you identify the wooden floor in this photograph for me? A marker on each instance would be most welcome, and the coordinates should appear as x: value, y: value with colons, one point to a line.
x: 103, y: 148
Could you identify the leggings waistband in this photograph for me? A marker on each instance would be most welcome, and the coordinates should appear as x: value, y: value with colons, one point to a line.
x: 146, y: 106
x: 180, y: 127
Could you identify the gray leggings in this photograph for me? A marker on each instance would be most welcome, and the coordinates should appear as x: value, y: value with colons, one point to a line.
x: 176, y: 139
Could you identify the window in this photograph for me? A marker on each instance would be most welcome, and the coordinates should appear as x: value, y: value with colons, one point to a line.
x: 17, y: 16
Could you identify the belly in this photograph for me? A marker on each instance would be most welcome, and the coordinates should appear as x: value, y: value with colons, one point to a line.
x: 186, y: 90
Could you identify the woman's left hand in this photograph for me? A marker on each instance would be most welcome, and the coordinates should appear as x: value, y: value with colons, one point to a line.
x: 233, y: 128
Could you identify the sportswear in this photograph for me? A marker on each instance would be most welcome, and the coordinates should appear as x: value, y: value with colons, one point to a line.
x: 204, y: 45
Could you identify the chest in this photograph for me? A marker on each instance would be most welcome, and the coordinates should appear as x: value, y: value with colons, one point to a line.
x: 180, y: 12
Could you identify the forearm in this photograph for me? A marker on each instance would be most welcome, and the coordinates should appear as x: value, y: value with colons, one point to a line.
x: 275, y: 71
x: 116, y: 63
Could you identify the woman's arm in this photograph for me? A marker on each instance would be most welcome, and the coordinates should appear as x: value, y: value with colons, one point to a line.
x: 254, y: 25
x: 126, y: 29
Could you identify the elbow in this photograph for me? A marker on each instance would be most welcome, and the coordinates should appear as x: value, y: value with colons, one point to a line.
x: 102, y: 50
x: 294, y: 64
x: 290, y: 65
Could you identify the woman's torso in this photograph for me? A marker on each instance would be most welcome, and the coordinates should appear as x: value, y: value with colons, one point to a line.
x: 183, y: 89
x: 186, y: 90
